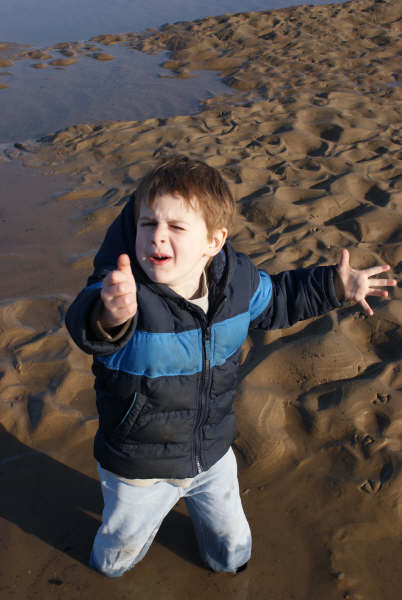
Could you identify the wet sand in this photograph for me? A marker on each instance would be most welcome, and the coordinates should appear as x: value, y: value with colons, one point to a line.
x: 310, y: 143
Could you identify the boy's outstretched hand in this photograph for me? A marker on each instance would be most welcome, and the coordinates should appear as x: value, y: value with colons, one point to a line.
x: 358, y: 285
x: 119, y: 295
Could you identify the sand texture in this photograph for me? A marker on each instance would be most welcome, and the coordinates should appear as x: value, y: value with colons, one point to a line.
x: 310, y: 143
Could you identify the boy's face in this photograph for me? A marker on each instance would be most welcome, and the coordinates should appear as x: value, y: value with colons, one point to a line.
x: 173, y: 245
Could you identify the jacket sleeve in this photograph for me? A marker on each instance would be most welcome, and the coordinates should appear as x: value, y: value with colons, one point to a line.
x: 286, y: 298
x: 119, y: 239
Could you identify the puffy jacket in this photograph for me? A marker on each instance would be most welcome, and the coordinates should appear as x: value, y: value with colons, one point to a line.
x: 165, y: 390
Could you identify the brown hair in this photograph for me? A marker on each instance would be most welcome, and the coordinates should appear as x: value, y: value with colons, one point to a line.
x: 200, y: 185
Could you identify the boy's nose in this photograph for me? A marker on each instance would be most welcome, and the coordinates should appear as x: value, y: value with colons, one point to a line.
x: 159, y: 235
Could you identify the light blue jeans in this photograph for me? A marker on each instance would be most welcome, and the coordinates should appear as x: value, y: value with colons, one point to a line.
x: 133, y: 514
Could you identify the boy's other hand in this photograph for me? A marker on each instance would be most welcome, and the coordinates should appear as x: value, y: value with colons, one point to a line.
x: 358, y: 285
x: 119, y: 295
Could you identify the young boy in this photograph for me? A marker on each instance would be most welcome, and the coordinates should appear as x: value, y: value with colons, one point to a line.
x: 165, y: 314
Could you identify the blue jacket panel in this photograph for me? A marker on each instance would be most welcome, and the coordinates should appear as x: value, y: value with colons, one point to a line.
x: 165, y: 390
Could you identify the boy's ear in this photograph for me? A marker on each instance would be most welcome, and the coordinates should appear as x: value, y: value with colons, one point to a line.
x: 217, y: 241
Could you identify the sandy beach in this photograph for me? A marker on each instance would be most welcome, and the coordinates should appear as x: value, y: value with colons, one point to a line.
x: 309, y: 139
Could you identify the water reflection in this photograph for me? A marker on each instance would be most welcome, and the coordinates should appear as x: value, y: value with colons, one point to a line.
x: 130, y: 87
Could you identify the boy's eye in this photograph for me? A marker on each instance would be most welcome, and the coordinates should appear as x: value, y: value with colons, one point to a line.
x: 178, y: 227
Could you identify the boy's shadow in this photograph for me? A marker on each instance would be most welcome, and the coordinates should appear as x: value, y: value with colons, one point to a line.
x: 62, y: 507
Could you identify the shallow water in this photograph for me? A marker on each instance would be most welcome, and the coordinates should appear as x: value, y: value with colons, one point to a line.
x: 131, y: 87
x: 37, y: 102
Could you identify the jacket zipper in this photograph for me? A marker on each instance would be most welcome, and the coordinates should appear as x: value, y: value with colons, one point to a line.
x: 206, y: 346
x: 206, y: 360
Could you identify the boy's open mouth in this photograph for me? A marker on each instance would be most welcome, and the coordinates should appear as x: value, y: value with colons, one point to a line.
x: 158, y: 259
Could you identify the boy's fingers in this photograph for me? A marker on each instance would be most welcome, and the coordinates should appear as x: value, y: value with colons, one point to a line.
x: 365, y: 306
x: 120, y: 276
x: 114, y: 278
x: 378, y: 269
x: 120, y: 309
x: 123, y: 264
x: 112, y: 300
x: 119, y: 294
x: 122, y: 302
x: 344, y: 260
x: 118, y: 289
x: 383, y: 283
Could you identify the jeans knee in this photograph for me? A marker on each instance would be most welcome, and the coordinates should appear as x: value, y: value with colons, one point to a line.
x: 228, y: 558
x: 110, y: 568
